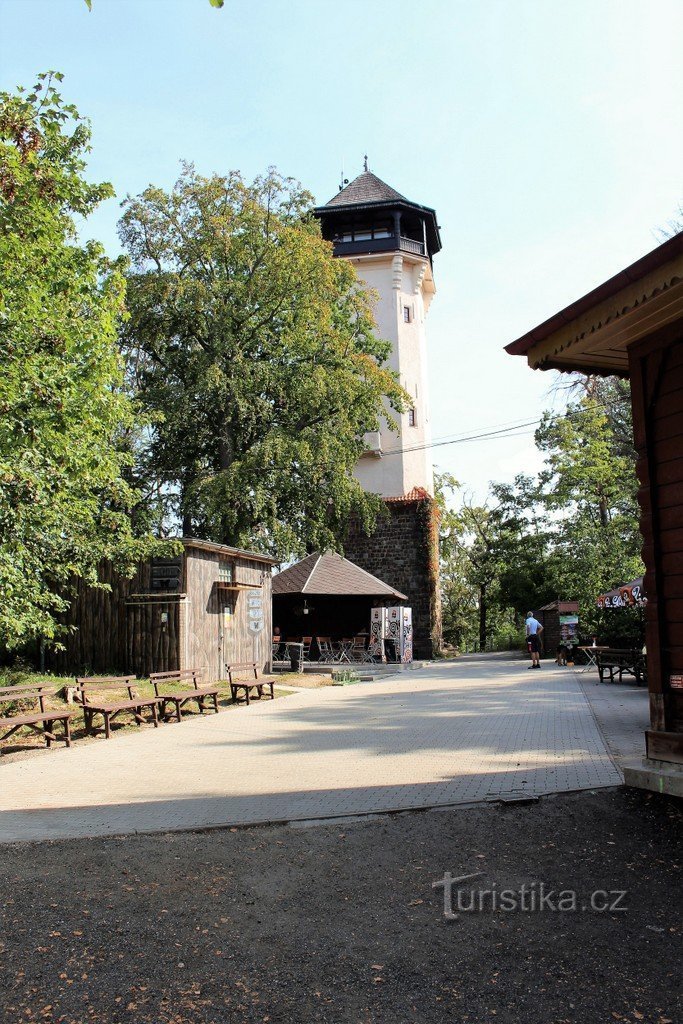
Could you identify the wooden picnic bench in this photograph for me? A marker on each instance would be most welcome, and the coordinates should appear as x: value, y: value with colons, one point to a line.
x: 238, y: 682
x: 39, y: 720
x: 185, y: 683
x: 615, y: 661
x: 110, y: 710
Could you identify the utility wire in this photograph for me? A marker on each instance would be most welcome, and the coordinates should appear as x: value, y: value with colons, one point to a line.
x: 508, y: 430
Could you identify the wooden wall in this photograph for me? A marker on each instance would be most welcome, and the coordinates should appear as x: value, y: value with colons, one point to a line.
x: 118, y: 633
x: 214, y: 640
x: 657, y: 390
x: 97, y: 641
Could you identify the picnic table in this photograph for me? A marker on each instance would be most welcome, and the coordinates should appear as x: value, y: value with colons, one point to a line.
x: 591, y: 653
x: 615, y: 661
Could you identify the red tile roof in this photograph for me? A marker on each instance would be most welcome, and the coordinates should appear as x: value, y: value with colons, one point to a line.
x: 417, y: 494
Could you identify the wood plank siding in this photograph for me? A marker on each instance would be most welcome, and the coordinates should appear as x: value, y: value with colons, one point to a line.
x: 657, y: 389
x: 218, y: 631
x: 138, y: 626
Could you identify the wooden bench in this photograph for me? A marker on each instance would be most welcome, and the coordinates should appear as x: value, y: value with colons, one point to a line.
x: 39, y: 720
x: 182, y: 693
x: 614, y: 661
x: 110, y: 710
x: 237, y: 682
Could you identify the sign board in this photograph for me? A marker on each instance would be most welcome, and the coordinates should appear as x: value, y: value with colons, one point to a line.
x: 569, y: 626
x: 254, y: 611
x: 676, y: 682
x: 165, y: 574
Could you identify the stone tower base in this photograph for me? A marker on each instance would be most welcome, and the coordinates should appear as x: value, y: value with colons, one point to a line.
x: 404, y: 552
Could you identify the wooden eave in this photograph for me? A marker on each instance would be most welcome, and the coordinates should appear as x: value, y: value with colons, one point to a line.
x: 225, y: 549
x: 224, y: 585
x: 593, y: 334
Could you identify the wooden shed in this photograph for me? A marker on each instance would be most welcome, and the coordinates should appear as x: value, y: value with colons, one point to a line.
x: 209, y: 606
x: 560, y: 624
x: 632, y: 326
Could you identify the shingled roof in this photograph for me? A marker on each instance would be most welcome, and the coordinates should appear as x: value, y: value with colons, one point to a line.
x: 333, y: 575
x: 366, y: 188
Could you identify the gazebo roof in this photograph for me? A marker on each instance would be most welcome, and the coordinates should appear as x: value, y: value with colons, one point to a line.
x: 331, y: 574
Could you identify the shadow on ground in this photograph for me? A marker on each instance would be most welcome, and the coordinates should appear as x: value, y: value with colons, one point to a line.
x: 341, y: 924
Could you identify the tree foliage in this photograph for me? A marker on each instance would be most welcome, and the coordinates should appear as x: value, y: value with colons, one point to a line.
x: 571, y: 533
x: 63, y: 500
x: 255, y: 349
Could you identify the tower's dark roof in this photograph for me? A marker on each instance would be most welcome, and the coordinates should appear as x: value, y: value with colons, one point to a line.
x: 366, y: 188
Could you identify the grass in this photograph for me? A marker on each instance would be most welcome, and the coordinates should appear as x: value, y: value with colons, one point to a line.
x: 26, y: 740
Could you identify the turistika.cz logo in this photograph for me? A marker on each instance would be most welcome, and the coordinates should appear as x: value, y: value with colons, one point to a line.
x: 528, y: 899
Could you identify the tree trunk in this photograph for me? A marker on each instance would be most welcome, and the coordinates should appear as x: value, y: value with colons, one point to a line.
x: 226, y: 454
x: 483, y: 612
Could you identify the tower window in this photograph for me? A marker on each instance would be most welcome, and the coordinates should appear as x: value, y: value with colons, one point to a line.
x: 412, y: 419
x: 406, y: 314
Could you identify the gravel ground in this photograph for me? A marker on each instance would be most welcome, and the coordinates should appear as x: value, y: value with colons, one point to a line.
x: 340, y: 923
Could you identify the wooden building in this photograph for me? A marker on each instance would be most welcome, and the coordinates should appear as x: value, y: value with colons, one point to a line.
x: 209, y: 606
x: 559, y: 620
x: 632, y: 326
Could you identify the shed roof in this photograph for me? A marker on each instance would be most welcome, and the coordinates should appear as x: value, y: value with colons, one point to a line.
x: 331, y: 574
x: 225, y: 549
x: 560, y: 606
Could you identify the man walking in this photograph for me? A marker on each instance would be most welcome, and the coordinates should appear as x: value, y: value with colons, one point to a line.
x: 533, y: 636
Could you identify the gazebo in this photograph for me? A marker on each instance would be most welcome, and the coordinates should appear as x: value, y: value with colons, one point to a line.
x: 327, y: 595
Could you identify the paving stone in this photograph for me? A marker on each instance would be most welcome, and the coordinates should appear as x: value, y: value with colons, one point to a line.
x: 452, y: 733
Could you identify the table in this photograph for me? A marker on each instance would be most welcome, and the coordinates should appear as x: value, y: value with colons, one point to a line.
x: 591, y: 653
x: 344, y: 650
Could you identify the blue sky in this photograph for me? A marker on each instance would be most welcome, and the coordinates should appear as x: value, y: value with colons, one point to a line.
x: 547, y: 136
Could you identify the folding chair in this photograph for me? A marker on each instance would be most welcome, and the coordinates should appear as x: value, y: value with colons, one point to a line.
x: 358, y: 652
x: 327, y: 654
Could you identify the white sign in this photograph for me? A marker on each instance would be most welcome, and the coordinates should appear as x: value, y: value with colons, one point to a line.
x: 254, y: 611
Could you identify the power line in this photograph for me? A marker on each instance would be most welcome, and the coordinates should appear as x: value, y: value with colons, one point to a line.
x: 514, y: 428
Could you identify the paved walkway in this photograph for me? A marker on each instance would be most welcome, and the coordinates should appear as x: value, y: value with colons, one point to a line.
x: 476, y: 729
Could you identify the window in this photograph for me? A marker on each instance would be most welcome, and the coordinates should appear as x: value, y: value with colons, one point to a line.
x: 412, y: 418
x: 225, y: 572
x: 406, y: 314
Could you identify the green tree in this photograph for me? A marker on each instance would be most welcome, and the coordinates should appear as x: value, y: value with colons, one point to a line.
x: 589, y: 489
x: 255, y: 349
x: 571, y: 533
x: 63, y: 499
x: 475, y: 545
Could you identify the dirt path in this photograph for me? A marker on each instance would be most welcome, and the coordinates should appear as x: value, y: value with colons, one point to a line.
x: 341, y: 924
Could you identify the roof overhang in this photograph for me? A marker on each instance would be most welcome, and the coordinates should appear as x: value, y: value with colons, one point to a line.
x: 225, y: 549
x: 592, y: 335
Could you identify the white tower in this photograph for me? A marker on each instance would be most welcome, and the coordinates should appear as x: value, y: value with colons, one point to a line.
x: 391, y: 242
